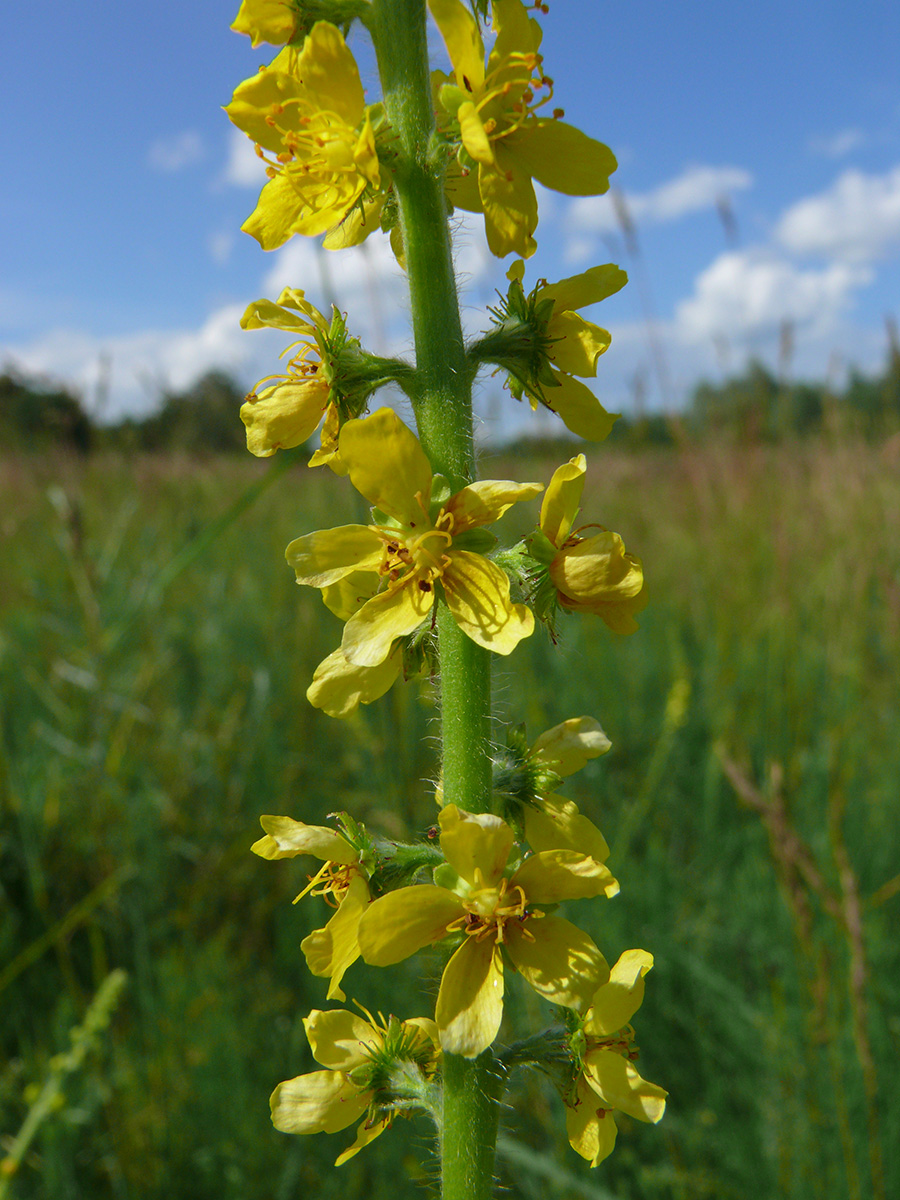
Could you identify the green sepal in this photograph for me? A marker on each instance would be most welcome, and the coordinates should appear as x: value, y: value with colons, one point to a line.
x: 399, y: 863
x: 446, y: 877
x: 478, y: 540
x: 540, y: 547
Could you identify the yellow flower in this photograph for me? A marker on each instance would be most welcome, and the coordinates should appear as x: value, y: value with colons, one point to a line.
x: 495, y: 913
x: 608, y: 1073
x: 419, y: 545
x: 552, y: 822
x: 341, y: 881
x: 571, y: 345
x: 272, y: 21
x: 287, y: 412
x: 307, y: 112
x: 591, y: 574
x: 362, y: 1058
x: 504, y: 143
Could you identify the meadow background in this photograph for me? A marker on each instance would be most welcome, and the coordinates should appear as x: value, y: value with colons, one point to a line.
x: 154, y: 657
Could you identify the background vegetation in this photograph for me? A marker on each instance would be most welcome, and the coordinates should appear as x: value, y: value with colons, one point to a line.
x: 153, y: 681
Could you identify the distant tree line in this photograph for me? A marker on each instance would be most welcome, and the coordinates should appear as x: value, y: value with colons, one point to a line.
x: 754, y: 406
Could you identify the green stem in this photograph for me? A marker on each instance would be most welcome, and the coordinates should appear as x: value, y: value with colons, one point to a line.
x: 443, y: 408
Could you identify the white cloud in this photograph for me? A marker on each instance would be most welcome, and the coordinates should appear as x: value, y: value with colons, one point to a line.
x: 220, y: 246
x: 363, y: 281
x: 173, y: 153
x: 751, y: 292
x: 693, y: 190
x: 838, y: 144
x: 142, y: 364
x: 857, y: 220
x: 243, y: 167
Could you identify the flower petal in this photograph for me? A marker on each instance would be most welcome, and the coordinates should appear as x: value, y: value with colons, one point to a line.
x: 462, y: 37
x: 579, y: 408
x: 337, y: 1037
x: 618, y: 1085
x: 562, y: 964
x: 592, y: 286
x: 577, y: 345
x: 475, y: 842
x: 591, y: 1128
x: 329, y: 952
x: 470, y: 1002
x: 477, y: 594
x: 559, y: 507
x: 339, y: 686
x: 286, y: 838
x: 364, y: 1134
x: 486, y: 501
x: 285, y: 415
x: 510, y: 207
x: 322, y: 1102
x: 567, y: 747
x: 616, y: 1002
x: 403, y: 921
x: 387, y: 464
x: 554, y: 875
x: 370, y: 633
x: 597, y: 569
x: 322, y: 558
x: 328, y: 70
x: 562, y: 158
x: 558, y: 825
x: 277, y: 215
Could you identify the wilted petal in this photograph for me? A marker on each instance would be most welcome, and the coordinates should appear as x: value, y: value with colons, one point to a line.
x: 618, y: 1085
x: 562, y: 963
x: 402, y: 922
x: 477, y: 593
x: 322, y: 1102
x: 322, y: 558
x: 286, y: 838
x: 616, y: 1002
x: 470, y: 1002
x: 559, y: 508
x: 475, y: 842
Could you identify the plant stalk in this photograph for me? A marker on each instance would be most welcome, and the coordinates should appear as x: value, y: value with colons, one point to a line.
x: 443, y: 408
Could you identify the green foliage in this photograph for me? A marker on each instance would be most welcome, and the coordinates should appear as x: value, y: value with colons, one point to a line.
x: 135, y: 762
x: 34, y: 417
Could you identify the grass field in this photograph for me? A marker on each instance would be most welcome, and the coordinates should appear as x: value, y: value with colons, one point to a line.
x: 149, y: 715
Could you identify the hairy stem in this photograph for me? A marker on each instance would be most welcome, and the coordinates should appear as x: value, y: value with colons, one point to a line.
x: 443, y: 408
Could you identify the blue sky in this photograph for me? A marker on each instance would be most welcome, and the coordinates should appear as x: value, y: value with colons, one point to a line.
x: 125, y: 186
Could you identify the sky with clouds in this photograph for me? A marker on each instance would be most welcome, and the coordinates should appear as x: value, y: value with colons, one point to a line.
x: 758, y: 189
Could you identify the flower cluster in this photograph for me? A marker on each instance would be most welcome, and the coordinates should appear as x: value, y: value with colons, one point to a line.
x: 422, y: 567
